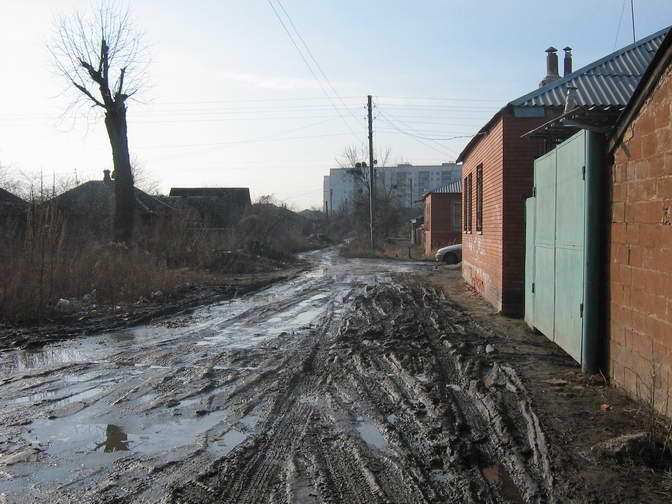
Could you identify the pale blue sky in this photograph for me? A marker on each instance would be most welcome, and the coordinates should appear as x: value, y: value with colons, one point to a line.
x: 232, y: 103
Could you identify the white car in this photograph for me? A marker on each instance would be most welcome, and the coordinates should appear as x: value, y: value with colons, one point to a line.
x: 451, y: 254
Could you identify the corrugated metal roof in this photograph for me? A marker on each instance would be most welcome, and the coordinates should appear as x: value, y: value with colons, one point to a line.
x: 453, y: 187
x: 608, y: 81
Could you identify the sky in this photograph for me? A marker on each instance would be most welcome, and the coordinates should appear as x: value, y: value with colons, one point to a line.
x: 230, y: 100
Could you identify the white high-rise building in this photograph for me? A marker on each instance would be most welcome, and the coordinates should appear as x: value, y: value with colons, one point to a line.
x: 404, y: 183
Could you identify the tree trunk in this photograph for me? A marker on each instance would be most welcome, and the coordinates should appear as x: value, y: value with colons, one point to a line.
x: 124, y: 193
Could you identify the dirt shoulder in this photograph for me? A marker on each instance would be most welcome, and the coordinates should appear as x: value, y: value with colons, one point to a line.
x: 98, y: 318
x: 576, y: 412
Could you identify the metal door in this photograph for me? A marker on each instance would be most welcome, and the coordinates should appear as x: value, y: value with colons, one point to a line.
x: 569, y: 238
x: 554, y: 300
x: 544, y: 244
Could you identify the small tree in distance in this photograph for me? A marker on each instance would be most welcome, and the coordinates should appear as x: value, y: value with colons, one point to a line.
x: 100, y: 56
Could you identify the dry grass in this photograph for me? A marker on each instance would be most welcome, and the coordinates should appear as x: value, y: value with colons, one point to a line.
x: 41, y: 267
x: 654, y: 413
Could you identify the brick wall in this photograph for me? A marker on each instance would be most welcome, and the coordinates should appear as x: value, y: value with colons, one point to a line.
x: 493, y: 261
x: 640, y: 252
x: 439, y: 211
x: 482, y: 251
x: 519, y: 155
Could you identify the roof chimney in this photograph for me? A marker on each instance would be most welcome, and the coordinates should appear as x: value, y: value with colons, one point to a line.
x: 106, y: 177
x: 551, y: 67
x: 568, y: 61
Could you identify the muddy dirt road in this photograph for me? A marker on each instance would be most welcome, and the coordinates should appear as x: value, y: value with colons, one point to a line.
x: 347, y: 384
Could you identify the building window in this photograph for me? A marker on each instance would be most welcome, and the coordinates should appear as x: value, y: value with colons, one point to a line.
x: 479, y: 198
x: 467, y: 203
x: 457, y: 210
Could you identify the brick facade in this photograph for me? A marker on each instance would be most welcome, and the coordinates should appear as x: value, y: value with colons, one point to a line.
x: 443, y: 222
x: 640, y: 251
x: 493, y: 259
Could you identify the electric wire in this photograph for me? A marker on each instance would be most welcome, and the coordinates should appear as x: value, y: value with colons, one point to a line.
x: 310, y: 68
x: 415, y: 136
x: 310, y: 53
x: 620, y: 20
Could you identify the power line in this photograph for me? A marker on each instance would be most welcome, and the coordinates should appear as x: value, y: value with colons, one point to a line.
x: 620, y: 20
x: 415, y: 136
x: 310, y: 53
x: 310, y: 68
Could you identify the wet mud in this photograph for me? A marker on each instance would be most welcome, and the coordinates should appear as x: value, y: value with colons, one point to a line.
x: 350, y: 383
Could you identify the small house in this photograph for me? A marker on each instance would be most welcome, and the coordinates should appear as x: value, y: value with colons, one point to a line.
x: 442, y: 216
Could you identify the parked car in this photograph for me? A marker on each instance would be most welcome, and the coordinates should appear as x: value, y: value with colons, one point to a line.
x: 451, y: 254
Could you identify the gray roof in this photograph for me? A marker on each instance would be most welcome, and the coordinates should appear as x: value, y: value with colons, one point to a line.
x: 453, y: 187
x: 608, y: 81
x: 241, y: 195
x: 95, y: 199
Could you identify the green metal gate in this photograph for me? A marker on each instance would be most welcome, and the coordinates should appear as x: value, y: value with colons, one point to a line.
x: 554, y: 265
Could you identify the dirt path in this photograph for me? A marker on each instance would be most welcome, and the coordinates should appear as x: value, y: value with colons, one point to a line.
x: 351, y: 383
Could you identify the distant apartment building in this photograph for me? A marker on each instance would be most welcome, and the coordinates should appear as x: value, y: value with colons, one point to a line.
x: 404, y: 183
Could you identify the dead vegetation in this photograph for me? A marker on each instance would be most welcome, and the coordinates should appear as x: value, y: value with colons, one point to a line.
x: 40, y: 265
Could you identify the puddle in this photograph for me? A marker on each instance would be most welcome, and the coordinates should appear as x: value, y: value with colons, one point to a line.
x: 115, y: 440
x: 52, y: 397
x: 500, y: 477
x: 372, y: 436
x: 223, y: 446
x: 393, y: 419
x: 63, y: 436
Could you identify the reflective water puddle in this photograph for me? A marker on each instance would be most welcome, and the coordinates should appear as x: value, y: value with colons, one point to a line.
x: 372, y: 436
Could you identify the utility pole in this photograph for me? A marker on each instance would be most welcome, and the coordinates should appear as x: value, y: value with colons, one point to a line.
x: 372, y: 182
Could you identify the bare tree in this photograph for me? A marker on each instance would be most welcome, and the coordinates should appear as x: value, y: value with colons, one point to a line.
x: 100, y: 55
x: 143, y: 177
x: 353, y: 159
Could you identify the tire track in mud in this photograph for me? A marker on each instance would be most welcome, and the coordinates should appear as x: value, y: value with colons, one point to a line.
x: 397, y: 401
x: 387, y: 395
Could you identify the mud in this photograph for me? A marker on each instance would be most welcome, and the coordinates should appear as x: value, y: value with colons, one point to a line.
x: 351, y: 383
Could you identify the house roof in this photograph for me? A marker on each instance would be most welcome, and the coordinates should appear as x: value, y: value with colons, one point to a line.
x: 11, y: 204
x: 452, y: 188
x: 8, y: 198
x: 608, y: 82
x: 240, y: 195
x: 96, y: 198
x: 659, y: 64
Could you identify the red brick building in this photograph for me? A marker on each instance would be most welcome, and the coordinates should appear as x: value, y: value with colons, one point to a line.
x: 496, y: 179
x: 443, y: 217
x: 640, y: 240
x: 498, y: 165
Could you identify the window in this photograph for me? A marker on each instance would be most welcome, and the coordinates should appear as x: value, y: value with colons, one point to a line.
x: 457, y: 210
x: 479, y: 198
x: 467, y: 203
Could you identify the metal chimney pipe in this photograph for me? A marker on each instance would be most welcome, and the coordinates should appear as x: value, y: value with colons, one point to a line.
x: 567, y: 61
x: 551, y: 66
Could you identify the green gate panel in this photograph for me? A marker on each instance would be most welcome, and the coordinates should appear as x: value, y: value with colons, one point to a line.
x: 569, y: 244
x: 554, y: 245
x: 544, y: 244
x: 529, y: 260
